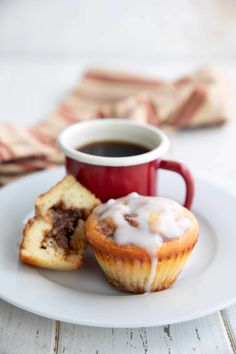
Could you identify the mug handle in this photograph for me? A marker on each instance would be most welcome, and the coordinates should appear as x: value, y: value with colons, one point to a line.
x: 185, y: 173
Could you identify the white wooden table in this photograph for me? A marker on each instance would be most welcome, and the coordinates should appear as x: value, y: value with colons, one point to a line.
x: 42, y: 50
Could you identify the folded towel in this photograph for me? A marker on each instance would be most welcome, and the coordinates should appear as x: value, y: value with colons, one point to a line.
x: 199, y: 99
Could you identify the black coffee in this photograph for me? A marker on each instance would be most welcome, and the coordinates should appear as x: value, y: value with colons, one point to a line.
x: 113, y: 149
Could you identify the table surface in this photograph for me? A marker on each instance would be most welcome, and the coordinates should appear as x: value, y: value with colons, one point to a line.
x: 34, y: 78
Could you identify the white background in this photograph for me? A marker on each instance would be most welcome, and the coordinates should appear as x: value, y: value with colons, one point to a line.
x: 137, y: 29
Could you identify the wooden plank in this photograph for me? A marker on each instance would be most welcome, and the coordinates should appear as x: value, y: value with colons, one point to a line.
x: 229, y: 318
x: 25, y: 333
x: 206, y: 335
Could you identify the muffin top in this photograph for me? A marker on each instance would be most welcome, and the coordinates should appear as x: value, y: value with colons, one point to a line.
x: 142, y: 221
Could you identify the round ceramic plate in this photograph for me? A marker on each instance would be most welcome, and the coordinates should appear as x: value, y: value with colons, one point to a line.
x: 84, y: 297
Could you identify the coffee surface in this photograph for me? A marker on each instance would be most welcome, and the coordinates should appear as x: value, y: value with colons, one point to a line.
x: 113, y: 149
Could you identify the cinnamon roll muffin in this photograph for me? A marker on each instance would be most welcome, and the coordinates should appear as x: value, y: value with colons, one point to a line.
x: 141, y: 243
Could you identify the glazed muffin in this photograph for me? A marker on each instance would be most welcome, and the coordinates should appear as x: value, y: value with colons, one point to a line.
x: 141, y: 243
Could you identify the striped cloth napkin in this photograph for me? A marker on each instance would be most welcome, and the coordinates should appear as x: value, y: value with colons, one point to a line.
x: 199, y: 99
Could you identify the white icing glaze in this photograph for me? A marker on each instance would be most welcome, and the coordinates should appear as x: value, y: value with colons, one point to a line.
x: 154, y: 263
x: 158, y: 219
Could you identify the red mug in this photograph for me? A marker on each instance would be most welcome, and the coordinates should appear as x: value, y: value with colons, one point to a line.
x: 114, y: 177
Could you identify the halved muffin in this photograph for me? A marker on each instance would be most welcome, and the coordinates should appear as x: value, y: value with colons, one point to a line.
x: 141, y: 243
x: 54, y: 238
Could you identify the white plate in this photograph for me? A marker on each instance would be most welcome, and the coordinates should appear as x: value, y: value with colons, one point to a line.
x: 84, y: 297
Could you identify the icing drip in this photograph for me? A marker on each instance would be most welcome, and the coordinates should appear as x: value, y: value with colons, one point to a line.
x: 156, y: 221
x: 151, y: 277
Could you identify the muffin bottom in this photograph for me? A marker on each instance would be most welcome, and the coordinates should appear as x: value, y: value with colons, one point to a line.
x: 132, y: 275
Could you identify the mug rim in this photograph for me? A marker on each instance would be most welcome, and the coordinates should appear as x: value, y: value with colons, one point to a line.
x: 154, y: 154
